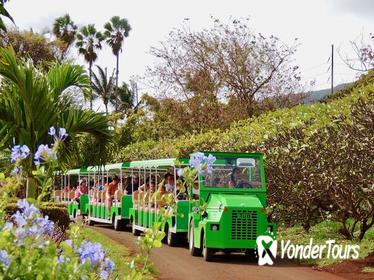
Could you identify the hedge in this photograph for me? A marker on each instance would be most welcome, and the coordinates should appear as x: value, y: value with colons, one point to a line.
x: 319, y: 158
x: 56, y: 212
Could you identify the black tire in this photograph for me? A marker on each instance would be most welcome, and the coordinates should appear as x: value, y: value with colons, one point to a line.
x: 251, y: 254
x: 171, y: 238
x: 193, y: 250
x: 90, y: 222
x: 208, y: 253
x: 118, y: 224
x: 135, y: 232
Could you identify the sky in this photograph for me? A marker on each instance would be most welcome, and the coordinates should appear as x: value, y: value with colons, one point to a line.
x: 317, y: 24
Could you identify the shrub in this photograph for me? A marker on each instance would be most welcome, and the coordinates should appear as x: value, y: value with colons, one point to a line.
x: 56, y: 212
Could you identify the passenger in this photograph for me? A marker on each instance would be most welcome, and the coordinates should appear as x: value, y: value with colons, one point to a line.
x: 182, y: 192
x: 128, y: 185
x: 169, y: 182
x: 144, y: 187
x: 109, y: 196
x: 80, y: 190
x: 237, y: 180
x: 134, y: 184
x: 195, y: 190
x: 100, y: 186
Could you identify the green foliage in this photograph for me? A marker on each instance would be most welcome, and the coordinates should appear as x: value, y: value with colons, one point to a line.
x: 319, y: 158
x: 31, y: 102
x: 4, y: 13
x: 29, y: 45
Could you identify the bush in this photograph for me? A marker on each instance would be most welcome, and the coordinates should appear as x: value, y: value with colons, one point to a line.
x: 56, y: 212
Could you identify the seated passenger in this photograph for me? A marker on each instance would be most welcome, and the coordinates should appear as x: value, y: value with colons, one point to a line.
x: 80, y: 190
x: 131, y: 183
x: 144, y: 187
x: 112, y: 187
x: 182, y: 192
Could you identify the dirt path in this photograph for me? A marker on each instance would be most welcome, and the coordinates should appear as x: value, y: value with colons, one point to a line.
x: 177, y: 263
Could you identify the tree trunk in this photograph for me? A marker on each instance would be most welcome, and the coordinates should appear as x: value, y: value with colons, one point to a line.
x: 106, y: 108
x: 91, y: 97
x: 31, y: 187
x: 117, y: 74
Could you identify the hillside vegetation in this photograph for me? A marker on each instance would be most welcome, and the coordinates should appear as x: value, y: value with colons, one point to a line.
x: 319, y: 158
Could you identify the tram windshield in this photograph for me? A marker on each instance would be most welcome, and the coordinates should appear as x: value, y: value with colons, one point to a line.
x: 240, y: 173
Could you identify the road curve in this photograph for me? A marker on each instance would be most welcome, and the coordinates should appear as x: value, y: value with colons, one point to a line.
x: 178, y: 264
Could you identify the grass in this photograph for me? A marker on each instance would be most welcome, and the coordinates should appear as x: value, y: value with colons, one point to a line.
x: 321, y: 232
x: 368, y: 269
x: 118, y: 253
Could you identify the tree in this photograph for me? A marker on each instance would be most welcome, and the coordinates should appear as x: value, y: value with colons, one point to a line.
x: 227, y: 60
x: 4, y: 13
x: 103, y: 86
x: 116, y: 30
x: 32, y: 101
x: 125, y: 99
x: 88, y: 41
x: 65, y: 30
x: 31, y: 45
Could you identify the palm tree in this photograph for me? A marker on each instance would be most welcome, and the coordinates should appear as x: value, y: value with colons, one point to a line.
x: 103, y: 86
x: 125, y: 99
x: 65, y: 30
x: 88, y: 41
x: 32, y: 101
x: 115, y: 32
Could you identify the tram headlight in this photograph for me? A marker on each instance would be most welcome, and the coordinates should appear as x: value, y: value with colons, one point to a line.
x: 214, y: 227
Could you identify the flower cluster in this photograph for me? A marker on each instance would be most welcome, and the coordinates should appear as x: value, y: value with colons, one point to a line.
x: 19, y: 152
x: 5, y: 259
x: 203, y: 164
x: 30, y: 230
x: 62, y: 135
x: 43, y: 152
x: 29, y: 222
x: 93, y: 253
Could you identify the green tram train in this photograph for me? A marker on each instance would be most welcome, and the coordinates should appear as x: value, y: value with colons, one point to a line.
x: 211, y: 215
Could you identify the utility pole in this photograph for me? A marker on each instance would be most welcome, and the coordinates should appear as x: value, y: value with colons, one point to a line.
x: 332, y: 68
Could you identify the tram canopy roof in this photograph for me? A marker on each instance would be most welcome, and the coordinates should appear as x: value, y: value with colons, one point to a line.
x: 156, y: 163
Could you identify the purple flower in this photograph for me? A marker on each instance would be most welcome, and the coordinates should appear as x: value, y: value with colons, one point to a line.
x: 62, y: 135
x: 8, y: 226
x: 19, y: 152
x: 60, y: 259
x: 29, y: 211
x: 52, y: 131
x: 203, y: 164
x: 109, y: 265
x: 91, y: 251
x: 5, y: 259
x: 19, y: 219
x: 46, y: 226
x: 43, y: 153
x: 104, y: 274
x: 16, y: 170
